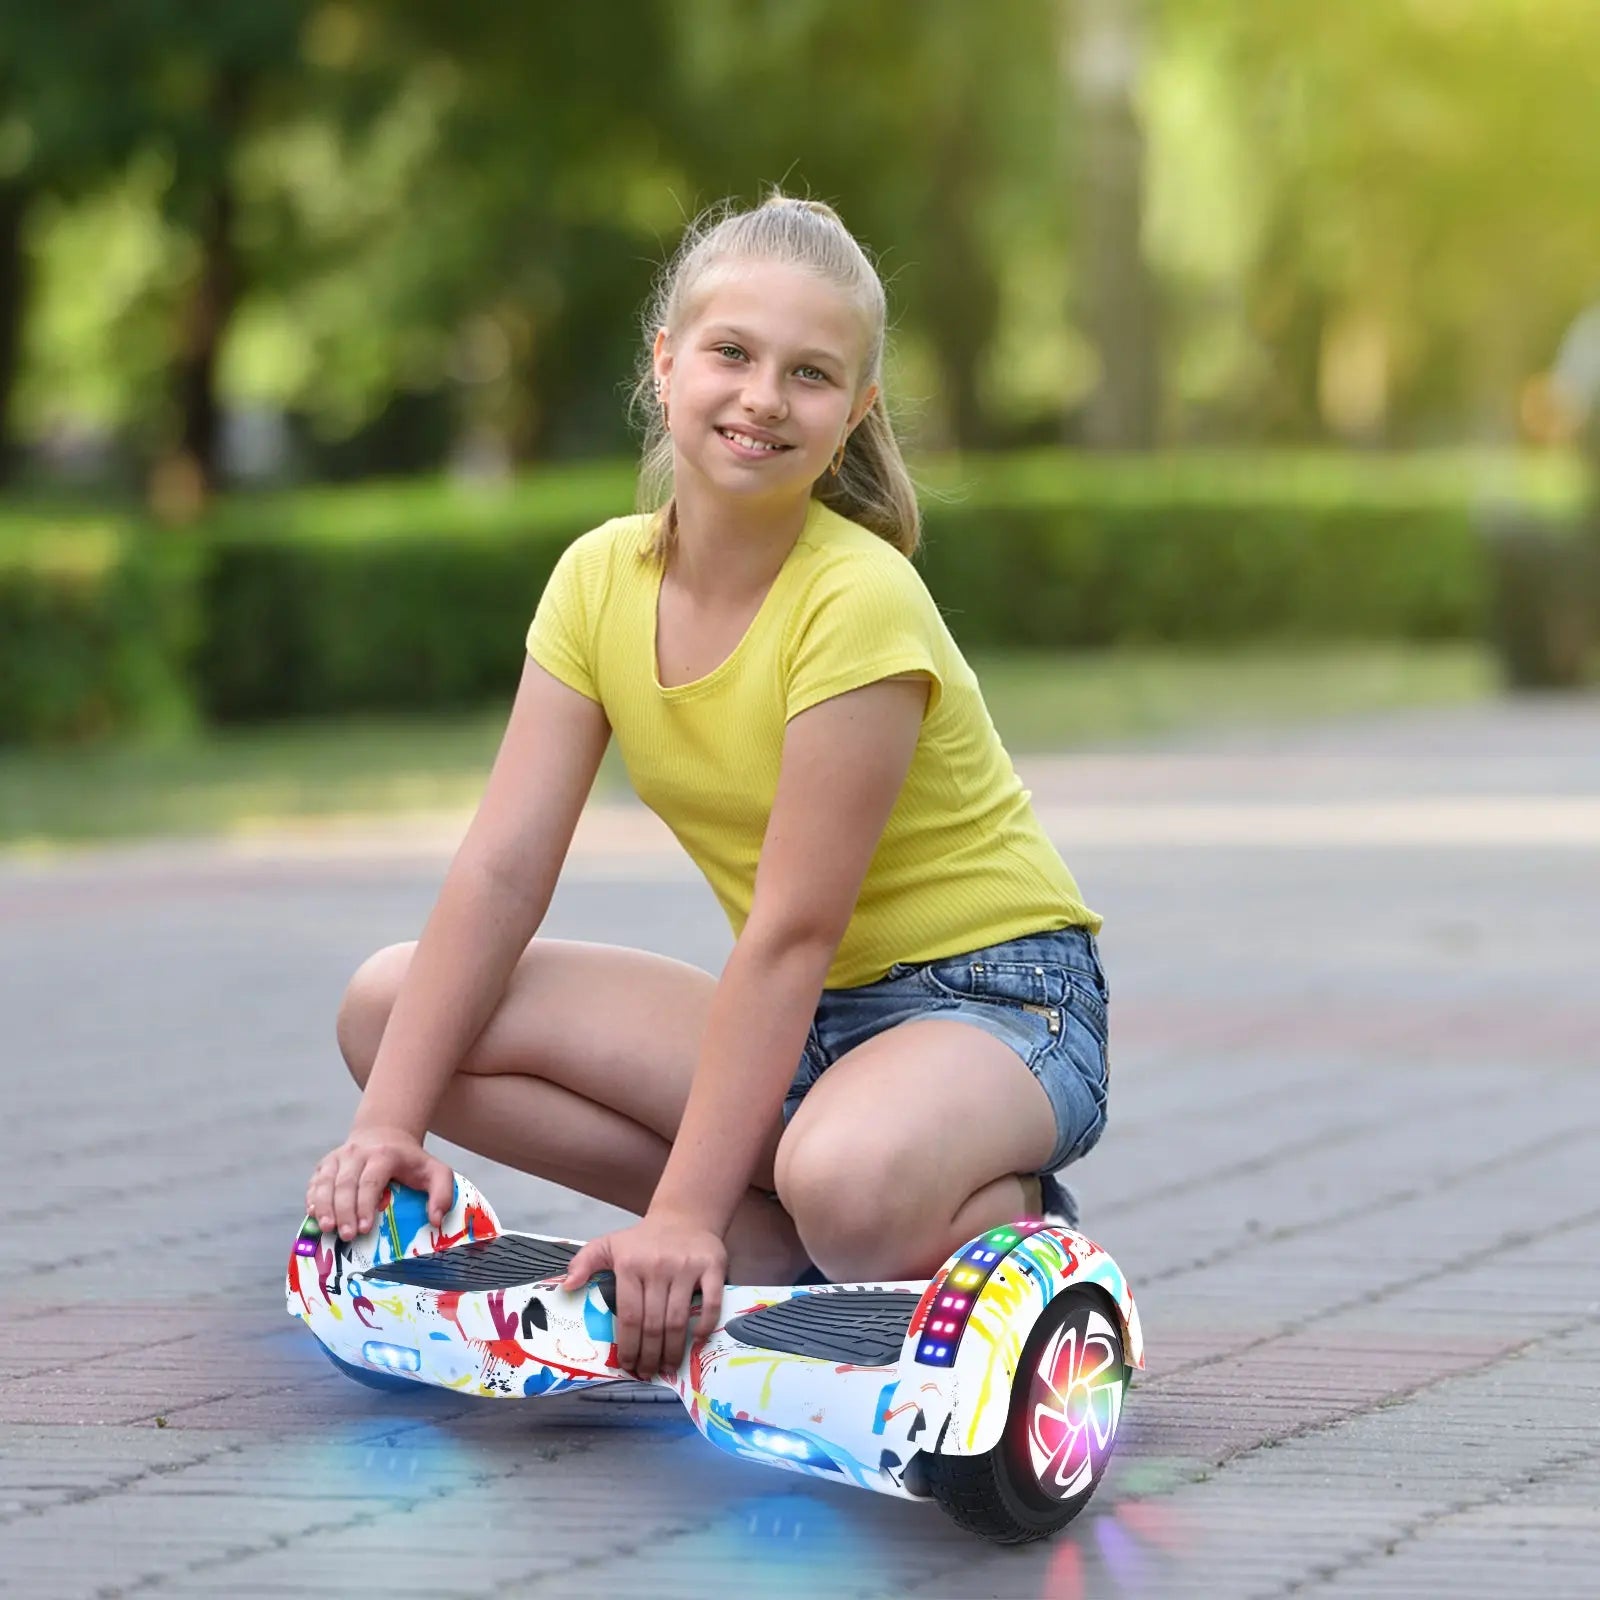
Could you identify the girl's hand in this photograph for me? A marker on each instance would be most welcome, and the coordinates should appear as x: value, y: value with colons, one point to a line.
x: 348, y: 1182
x: 659, y: 1263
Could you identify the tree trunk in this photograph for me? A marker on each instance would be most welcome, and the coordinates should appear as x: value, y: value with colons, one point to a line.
x: 1289, y: 317
x: 14, y: 288
x: 185, y: 481
x: 1104, y: 60
x: 205, y: 319
x: 962, y: 294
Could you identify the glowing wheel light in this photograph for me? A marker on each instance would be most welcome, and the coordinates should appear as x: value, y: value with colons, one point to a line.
x: 1074, y: 1404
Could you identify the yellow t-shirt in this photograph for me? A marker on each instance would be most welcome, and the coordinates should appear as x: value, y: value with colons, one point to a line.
x: 962, y: 862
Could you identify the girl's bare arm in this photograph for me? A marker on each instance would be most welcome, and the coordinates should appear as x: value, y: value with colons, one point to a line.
x: 493, y: 899
x: 844, y: 762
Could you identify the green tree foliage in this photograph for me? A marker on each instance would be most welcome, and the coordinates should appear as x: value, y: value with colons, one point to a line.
x: 61, y: 133
x: 1423, y: 178
x: 171, y: 86
x: 409, y: 222
x: 526, y: 175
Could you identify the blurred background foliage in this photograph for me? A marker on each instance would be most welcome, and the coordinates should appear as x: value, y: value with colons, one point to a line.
x: 303, y: 242
x: 418, y: 229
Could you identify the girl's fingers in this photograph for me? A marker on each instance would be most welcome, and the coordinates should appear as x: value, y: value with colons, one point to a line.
x: 374, y: 1178
x: 314, y: 1206
x: 591, y: 1258
x: 348, y: 1184
x: 710, y: 1312
x: 652, y: 1326
x: 441, y: 1193
x: 630, y: 1303
x: 579, y: 1270
x: 344, y: 1194
x: 319, y: 1195
x: 676, y: 1330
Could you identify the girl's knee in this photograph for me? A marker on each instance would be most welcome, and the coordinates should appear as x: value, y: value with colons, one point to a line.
x: 857, y: 1210
x: 364, y: 1010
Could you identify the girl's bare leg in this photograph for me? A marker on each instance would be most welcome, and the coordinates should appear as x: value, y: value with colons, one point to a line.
x: 580, y: 1076
x: 909, y: 1146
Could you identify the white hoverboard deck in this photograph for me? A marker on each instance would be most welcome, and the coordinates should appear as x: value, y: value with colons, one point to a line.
x: 857, y: 1383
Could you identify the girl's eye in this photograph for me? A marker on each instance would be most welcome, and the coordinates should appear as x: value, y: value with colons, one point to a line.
x: 732, y: 352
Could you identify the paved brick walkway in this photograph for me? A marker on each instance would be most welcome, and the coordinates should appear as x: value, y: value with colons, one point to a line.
x: 1350, y: 1171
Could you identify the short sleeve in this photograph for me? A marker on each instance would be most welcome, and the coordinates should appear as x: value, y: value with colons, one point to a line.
x: 863, y: 620
x: 561, y: 636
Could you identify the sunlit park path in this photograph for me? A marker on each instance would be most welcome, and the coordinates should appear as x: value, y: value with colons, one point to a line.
x: 1350, y: 1172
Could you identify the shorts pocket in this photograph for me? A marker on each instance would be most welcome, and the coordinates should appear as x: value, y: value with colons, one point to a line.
x: 1047, y: 988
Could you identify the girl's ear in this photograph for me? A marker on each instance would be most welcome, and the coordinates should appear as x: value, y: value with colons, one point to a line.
x: 661, y: 354
x: 863, y: 405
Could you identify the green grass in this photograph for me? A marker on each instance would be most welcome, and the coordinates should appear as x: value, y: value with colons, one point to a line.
x: 239, y: 779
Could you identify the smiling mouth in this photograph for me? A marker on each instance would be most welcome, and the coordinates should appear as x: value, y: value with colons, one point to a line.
x: 748, y: 442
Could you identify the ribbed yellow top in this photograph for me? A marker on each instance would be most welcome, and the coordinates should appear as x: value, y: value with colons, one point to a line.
x: 962, y: 862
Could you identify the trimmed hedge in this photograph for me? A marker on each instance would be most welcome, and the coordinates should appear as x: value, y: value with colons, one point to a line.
x: 1061, y: 552
x: 98, y: 627
x: 385, y: 596
x: 1080, y: 576
x: 295, y: 628
x: 418, y: 595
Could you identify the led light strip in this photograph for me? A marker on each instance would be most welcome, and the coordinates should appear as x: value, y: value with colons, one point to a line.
x: 959, y: 1292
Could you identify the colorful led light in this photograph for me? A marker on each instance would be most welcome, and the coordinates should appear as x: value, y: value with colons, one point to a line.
x: 977, y: 1264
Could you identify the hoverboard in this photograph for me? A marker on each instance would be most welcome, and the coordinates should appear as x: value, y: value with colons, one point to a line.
x: 994, y: 1387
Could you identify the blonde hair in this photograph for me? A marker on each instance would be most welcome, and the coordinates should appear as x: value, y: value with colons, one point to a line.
x: 873, y: 486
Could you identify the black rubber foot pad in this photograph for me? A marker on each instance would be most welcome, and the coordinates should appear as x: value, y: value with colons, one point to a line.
x: 500, y: 1263
x: 866, y: 1327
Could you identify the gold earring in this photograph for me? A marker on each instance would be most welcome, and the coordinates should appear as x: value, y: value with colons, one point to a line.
x: 838, y: 460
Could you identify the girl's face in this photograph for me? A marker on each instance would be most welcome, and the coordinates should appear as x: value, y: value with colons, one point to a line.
x: 761, y: 380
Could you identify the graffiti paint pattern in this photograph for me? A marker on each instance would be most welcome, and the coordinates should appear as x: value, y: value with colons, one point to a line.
x: 854, y: 1424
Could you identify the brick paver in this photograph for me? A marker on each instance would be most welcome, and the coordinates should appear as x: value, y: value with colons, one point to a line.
x: 1350, y: 1172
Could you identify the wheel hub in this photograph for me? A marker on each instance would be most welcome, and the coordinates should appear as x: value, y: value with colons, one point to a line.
x: 1074, y: 1404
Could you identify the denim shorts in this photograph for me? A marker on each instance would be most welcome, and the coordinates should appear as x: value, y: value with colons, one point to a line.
x: 1044, y: 994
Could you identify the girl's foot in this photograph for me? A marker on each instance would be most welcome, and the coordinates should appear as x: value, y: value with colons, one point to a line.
x: 1044, y: 1195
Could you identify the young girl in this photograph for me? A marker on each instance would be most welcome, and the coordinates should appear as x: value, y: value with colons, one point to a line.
x: 910, y: 1033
